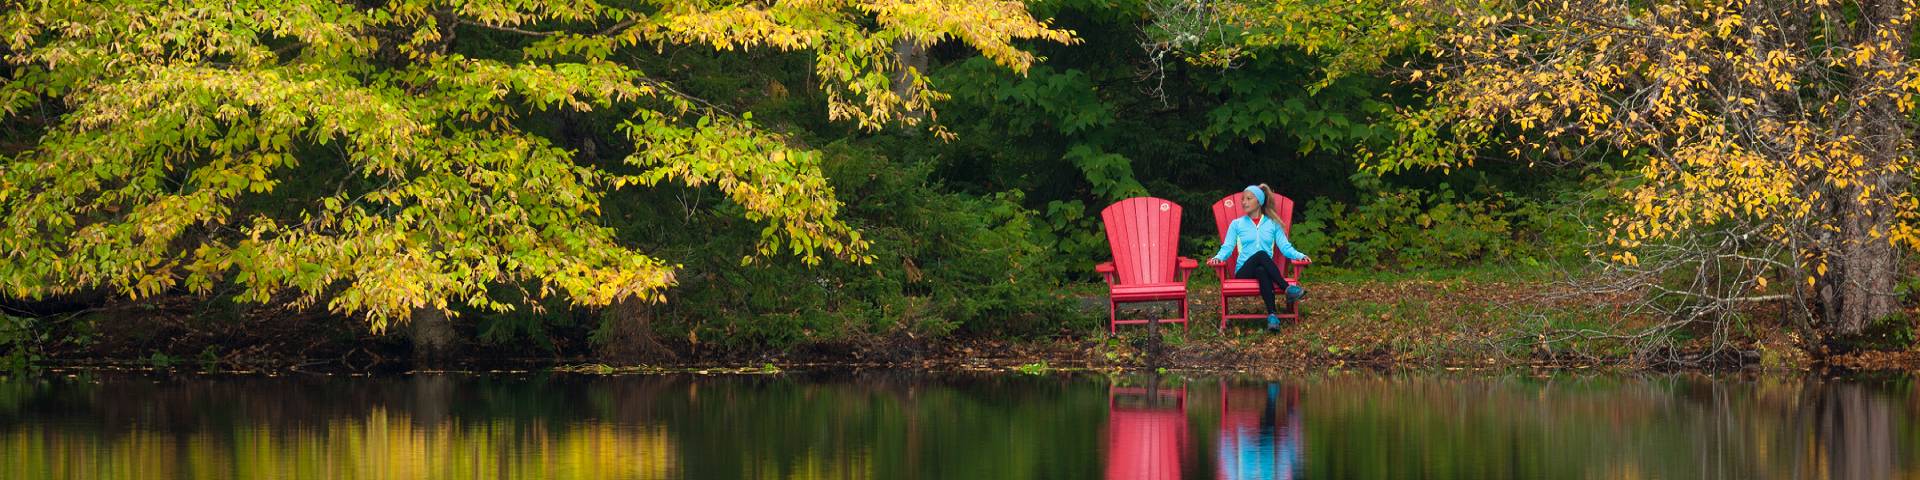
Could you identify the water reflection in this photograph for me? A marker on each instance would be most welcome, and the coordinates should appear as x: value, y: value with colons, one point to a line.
x: 1856, y: 427
x: 1260, y: 434
x: 1146, y: 431
x: 901, y: 425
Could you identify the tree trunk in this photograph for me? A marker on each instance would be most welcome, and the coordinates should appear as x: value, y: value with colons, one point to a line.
x: 910, y: 56
x: 1859, y: 286
x: 629, y: 337
x: 1862, y: 263
x: 433, y: 337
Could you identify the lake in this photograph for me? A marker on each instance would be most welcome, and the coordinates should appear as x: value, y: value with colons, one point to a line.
x: 915, y: 425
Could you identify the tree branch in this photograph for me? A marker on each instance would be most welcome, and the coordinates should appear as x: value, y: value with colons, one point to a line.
x: 504, y: 28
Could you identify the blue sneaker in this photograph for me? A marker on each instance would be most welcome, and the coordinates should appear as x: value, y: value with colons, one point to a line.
x: 1295, y: 293
x: 1273, y: 322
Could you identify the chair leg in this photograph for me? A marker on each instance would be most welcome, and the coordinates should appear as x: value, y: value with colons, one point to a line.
x: 1223, y: 312
x: 1113, y: 318
x: 1185, y: 323
x: 1292, y: 308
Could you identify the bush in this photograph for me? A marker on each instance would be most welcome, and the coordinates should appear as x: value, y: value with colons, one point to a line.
x: 20, y: 342
x: 1401, y: 227
x: 944, y: 262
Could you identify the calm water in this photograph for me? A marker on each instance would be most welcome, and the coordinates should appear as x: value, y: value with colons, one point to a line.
x: 905, y: 426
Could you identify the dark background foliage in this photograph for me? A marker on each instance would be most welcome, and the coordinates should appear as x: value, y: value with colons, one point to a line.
x: 995, y: 231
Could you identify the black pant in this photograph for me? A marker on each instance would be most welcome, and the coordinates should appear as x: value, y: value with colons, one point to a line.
x: 1261, y: 267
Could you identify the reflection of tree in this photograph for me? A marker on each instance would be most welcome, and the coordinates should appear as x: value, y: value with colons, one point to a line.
x: 1856, y: 427
x: 381, y: 444
x: 425, y: 426
x: 1260, y: 434
x: 432, y: 396
x: 1607, y: 427
x: 561, y: 427
x: 959, y: 426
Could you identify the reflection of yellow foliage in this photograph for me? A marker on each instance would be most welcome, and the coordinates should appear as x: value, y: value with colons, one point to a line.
x: 814, y: 466
x: 1623, y: 471
x: 379, y: 446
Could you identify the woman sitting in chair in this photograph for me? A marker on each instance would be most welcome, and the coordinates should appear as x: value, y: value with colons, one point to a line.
x: 1258, y: 235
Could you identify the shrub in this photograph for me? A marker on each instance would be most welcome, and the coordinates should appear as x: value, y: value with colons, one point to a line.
x: 1400, y: 227
x: 944, y: 262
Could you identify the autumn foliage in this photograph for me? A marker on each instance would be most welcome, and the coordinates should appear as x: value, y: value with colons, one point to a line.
x: 179, y: 120
x: 1770, y: 142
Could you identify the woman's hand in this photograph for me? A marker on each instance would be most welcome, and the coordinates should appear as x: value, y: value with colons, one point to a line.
x: 1215, y: 262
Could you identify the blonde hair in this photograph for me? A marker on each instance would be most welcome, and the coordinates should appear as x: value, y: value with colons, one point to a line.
x: 1268, y: 207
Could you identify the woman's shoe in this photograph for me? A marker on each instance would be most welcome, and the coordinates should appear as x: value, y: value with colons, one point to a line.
x: 1273, y: 322
x: 1295, y: 293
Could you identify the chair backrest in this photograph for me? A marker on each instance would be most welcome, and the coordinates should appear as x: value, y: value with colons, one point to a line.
x: 1227, y: 209
x: 1144, y: 233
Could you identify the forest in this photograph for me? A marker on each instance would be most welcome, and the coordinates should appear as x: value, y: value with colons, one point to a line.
x: 360, y: 184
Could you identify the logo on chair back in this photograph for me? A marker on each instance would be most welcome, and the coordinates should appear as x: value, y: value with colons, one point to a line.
x: 1165, y: 206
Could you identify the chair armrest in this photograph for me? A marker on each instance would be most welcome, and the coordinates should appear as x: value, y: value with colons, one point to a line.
x: 1186, y: 267
x: 1224, y: 271
x: 1106, y: 270
x: 1295, y: 267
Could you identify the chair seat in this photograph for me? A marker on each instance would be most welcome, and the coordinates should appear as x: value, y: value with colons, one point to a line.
x: 1150, y: 291
x: 1245, y: 287
x: 1240, y: 288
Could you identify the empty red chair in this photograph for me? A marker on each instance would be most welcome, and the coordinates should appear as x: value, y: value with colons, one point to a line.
x: 1224, y: 211
x: 1144, y: 234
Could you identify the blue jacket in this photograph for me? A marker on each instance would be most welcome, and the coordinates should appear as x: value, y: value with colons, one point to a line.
x: 1254, y: 238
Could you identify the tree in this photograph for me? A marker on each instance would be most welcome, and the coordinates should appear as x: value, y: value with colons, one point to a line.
x: 1355, y: 37
x: 1779, y: 132
x: 1770, y: 139
x: 356, y: 155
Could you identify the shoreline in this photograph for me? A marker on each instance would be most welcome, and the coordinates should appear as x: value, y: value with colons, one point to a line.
x: 1030, y: 358
x: 1379, y: 324
x: 1046, y: 368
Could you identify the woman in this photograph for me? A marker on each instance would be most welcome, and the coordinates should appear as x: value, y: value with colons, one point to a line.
x: 1257, y: 235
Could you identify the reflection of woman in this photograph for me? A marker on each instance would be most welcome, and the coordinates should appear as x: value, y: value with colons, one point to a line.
x: 1268, y: 449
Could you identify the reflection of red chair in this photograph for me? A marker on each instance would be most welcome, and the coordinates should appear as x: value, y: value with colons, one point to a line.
x: 1146, y: 432
x: 1260, y: 433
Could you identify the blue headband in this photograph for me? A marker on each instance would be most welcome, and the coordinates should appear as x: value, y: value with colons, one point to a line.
x: 1259, y: 194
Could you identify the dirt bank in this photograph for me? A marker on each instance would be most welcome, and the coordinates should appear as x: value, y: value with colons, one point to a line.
x: 1374, y: 324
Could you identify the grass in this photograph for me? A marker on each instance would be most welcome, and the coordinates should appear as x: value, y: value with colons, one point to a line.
x: 1483, y: 272
x: 1035, y: 368
x: 1440, y: 316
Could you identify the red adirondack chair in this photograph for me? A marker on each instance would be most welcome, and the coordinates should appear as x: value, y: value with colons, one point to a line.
x: 1224, y: 211
x: 1144, y: 234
